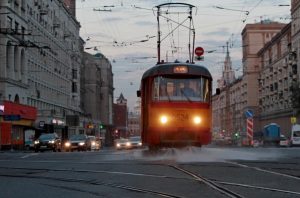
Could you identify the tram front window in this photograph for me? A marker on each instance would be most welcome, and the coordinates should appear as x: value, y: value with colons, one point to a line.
x: 172, y: 89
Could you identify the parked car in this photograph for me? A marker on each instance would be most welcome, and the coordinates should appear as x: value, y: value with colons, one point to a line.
x: 295, y: 135
x: 135, y: 142
x: 284, y: 141
x: 79, y: 142
x: 49, y: 141
x: 122, y: 144
x: 95, y: 143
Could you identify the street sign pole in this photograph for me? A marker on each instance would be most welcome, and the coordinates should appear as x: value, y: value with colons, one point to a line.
x: 249, y: 124
x: 11, y: 137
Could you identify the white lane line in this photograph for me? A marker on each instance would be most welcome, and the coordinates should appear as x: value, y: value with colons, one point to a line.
x: 29, y: 155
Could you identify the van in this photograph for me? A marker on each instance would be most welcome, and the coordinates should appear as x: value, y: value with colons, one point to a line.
x: 295, y: 136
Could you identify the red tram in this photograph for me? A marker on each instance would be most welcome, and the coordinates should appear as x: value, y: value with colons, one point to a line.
x: 176, y: 106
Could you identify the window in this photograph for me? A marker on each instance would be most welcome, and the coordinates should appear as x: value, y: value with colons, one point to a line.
x: 9, y: 23
x: 74, y: 73
x: 171, y: 89
x: 23, y: 32
x: 74, y: 87
x: 16, y: 27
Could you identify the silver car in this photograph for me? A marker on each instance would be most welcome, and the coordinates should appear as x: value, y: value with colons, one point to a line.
x: 79, y: 142
x: 122, y: 144
x: 135, y: 142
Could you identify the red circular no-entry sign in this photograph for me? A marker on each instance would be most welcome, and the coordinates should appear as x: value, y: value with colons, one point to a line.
x: 199, y: 51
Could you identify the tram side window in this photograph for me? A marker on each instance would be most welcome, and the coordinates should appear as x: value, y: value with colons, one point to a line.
x: 206, y: 90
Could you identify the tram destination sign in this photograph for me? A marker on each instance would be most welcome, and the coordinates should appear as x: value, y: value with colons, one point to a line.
x: 11, y: 117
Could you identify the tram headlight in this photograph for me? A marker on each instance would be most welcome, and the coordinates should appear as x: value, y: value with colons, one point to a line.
x: 197, y: 120
x: 163, y: 119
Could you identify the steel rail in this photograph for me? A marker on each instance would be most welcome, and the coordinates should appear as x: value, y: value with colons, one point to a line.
x: 209, y: 183
x: 94, y: 182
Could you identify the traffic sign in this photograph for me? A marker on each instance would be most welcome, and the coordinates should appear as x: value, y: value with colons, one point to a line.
x: 199, y: 58
x: 293, y: 120
x: 249, y: 113
x: 11, y: 117
x: 199, y: 51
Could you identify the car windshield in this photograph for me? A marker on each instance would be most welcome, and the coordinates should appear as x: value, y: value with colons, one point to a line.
x: 172, y: 89
x: 78, y: 137
x: 283, y: 138
x: 296, y: 134
x: 135, y: 138
x: 47, y: 137
x: 92, y: 138
x: 122, y: 140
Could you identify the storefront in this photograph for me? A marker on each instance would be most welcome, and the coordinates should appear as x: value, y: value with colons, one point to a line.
x: 14, y: 120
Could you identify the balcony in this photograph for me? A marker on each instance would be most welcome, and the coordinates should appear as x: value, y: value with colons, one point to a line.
x: 43, y: 12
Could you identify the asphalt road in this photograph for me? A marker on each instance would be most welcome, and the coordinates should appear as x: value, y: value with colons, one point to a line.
x: 190, y: 172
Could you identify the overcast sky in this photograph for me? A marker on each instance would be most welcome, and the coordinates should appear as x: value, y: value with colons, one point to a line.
x: 126, y: 34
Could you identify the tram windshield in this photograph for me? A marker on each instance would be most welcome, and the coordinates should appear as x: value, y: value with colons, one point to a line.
x: 181, y: 89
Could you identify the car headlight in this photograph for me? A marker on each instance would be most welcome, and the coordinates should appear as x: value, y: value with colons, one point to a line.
x: 51, y: 142
x: 93, y: 143
x: 36, y: 142
x: 81, y: 143
x: 128, y: 144
x: 118, y: 145
x: 140, y: 144
x: 67, y: 144
x: 197, y: 120
x: 163, y: 119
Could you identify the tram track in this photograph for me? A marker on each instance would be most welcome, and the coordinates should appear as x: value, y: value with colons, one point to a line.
x: 217, y: 185
x: 264, y: 170
x: 209, y: 183
x: 91, y: 182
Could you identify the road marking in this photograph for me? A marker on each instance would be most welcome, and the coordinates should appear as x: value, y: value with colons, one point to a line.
x: 263, y: 170
x: 29, y: 155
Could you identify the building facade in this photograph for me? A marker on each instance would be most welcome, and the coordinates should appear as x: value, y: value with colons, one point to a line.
x: 40, y: 60
x: 120, y: 118
x: 242, y: 93
x: 134, y: 119
x: 295, y: 58
x: 97, y: 93
x: 275, y: 80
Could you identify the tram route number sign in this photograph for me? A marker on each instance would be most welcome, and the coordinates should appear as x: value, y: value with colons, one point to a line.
x: 11, y: 117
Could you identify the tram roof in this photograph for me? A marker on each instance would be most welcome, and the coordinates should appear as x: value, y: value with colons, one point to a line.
x: 167, y: 68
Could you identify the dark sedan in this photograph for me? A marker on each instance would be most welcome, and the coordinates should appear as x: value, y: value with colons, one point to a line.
x: 49, y: 141
x: 78, y: 142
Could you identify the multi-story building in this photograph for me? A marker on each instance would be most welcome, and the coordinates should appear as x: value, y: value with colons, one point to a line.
x: 295, y: 58
x: 90, y: 93
x: 120, y: 118
x: 40, y: 59
x: 134, y: 119
x: 275, y: 98
x: 97, y: 93
x: 254, y: 37
x: 242, y: 94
